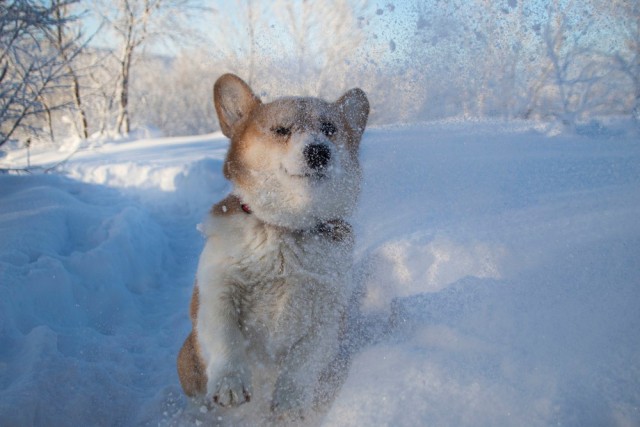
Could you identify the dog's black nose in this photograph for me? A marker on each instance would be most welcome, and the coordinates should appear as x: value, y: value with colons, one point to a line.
x: 317, y: 155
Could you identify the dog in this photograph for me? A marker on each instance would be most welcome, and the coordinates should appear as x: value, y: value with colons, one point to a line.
x: 273, y: 280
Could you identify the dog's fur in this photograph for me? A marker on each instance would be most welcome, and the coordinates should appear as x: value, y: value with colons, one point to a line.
x: 272, y: 282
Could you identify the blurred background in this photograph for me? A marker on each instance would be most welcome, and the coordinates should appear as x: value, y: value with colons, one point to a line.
x: 82, y: 69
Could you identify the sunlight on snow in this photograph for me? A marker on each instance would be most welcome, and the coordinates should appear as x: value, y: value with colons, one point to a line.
x: 412, y: 266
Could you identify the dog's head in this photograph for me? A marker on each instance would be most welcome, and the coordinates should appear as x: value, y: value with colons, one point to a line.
x: 293, y: 161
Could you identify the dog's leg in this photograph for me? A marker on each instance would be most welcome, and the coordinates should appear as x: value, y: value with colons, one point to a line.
x: 301, y: 369
x: 191, y: 370
x: 221, y: 341
x: 228, y: 371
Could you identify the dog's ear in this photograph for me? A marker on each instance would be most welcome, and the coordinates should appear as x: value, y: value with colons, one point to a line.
x: 354, y: 105
x: 234, y: 101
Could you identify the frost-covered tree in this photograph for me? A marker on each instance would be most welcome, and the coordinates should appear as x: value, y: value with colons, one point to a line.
x: 524, y: 59
x: 31, y: 66
x: 307, y: 47
x: 138, y: 24
x: 627, y: 55
x: 69, y: 42
x: 174, y: 95
x: 326, y: 37
x: 239, y: 35
x: 580, y: 77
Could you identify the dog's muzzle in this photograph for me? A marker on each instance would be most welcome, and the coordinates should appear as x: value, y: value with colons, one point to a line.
x: 317, y: 156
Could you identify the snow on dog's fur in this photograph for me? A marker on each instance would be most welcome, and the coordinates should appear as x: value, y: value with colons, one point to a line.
x: 273, y: 279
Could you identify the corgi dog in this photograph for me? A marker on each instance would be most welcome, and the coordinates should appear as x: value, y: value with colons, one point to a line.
x: 273, y: 279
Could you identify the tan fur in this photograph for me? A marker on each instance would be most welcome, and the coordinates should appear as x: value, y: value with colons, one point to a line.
x: 231, y: 86
x: 228, y: 206
x: 195, y: 305
x: 191, y: 370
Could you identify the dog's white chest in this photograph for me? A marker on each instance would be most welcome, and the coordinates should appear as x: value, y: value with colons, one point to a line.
x: 281, y: 283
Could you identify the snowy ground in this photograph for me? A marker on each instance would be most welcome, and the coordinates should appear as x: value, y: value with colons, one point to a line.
x: 500, y: 265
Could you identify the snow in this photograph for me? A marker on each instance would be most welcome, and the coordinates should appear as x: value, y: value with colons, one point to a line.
x: 499, y: 267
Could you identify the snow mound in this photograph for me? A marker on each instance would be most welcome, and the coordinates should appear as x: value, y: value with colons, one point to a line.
x: 76, y: 264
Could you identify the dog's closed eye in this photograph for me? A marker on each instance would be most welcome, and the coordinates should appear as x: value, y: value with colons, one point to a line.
x: 328, y: 128
x: 281, y: 130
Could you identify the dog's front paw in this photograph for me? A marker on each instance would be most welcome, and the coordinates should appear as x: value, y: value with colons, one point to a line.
x: 286, y: 409
x: 287, y: 400
x: 232, y: 388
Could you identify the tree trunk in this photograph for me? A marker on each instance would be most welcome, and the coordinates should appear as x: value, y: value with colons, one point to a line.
x: 83, y: 129
x: 123, y: 123
x: 82, y: 116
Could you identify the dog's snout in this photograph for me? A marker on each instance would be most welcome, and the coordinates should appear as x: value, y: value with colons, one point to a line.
x: 317, y: 155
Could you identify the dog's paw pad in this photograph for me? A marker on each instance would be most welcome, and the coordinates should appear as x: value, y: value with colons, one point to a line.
x: 232, y: 389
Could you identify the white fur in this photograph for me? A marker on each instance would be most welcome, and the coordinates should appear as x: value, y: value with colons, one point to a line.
x: 299, y: 203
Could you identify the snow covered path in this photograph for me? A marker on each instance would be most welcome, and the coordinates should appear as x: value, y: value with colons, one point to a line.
x: 500, y: 270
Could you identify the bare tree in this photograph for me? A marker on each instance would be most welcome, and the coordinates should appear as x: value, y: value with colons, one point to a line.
x: 248, y: 23
x: 252, y: 16
x: 305, y: 44
x: 326, y: 37
x: 138, y: 24
x: 520, y: 59
x: 628, y: 55
x: 30, y: 68
x: 68, y: 44
x: 177, y: 100
x: 581, y: 74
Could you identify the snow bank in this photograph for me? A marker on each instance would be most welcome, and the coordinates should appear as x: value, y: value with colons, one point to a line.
x: 498, y: 266
x: 76, y: 263
x: 182, y: 172
x: 507, y: 264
